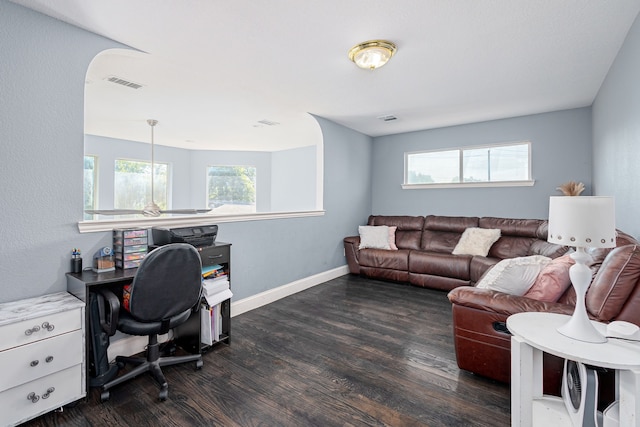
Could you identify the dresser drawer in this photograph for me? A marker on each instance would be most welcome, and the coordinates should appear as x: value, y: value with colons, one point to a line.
x: 32, y: 330
x: 214, y: 255
x: 41, y: 358
x: 32, y: 399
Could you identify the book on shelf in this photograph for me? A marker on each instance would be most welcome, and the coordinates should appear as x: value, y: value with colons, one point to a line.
x: 212, y: 271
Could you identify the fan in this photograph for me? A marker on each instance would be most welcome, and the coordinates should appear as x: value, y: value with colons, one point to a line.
x: 580, y: 394
x: 151, y: 209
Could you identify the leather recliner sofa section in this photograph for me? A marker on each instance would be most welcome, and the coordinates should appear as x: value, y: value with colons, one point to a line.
x: 425, y: 244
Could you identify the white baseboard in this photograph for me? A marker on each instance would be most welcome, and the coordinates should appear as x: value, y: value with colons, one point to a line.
x: 127, y: 345
x: 267, y: 297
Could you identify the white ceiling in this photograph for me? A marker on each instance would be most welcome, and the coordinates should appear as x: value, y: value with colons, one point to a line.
x: 216, y: 67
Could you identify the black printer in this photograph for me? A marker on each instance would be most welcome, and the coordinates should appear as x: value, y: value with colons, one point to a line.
x: 204, y: 235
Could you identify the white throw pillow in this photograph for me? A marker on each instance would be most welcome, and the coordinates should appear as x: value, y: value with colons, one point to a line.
x: 476, y: 241
x: 514, y: 275
x: 376, y: 237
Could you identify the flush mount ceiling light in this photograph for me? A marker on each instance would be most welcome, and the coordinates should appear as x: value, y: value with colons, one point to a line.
x: 372, y: 54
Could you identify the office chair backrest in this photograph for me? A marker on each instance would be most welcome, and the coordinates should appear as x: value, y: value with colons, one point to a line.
x: 168, y: 282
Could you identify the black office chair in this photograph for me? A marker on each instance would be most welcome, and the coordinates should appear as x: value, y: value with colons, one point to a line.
x: 165, y: 289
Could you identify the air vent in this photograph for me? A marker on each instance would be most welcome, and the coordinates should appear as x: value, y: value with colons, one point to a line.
x: 388, y: 118
x: 268, y: 122
x: 123, y: 82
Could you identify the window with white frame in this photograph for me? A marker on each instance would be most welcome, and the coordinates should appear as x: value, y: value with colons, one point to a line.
x: 231, y: 189
x: 498, y: 164
x: 132, y: 184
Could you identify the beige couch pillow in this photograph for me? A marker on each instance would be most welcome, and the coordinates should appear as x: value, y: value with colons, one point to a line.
x: 476, y: 241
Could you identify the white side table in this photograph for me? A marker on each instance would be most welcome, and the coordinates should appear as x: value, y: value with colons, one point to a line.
x: 535, y: 334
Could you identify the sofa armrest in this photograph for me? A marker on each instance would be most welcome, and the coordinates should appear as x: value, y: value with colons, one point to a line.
x: 502, y: 303
x: 351, y: 250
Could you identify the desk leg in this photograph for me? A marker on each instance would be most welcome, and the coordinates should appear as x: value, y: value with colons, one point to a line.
x: 526, y: 381
x: 629, y: 389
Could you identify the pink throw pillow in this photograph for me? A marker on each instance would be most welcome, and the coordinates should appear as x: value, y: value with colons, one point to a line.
x: 392, y: 238
x: 552, y: 281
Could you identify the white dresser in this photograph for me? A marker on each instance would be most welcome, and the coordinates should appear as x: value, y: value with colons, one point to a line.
x: 41, y: 356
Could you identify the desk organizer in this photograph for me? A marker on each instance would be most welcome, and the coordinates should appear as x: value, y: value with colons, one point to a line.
x: 130, y: 247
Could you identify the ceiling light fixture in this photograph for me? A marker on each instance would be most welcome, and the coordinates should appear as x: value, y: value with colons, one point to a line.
x: 372, y: 54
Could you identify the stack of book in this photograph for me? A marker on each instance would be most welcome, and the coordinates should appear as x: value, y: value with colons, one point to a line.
x: 215, y: 284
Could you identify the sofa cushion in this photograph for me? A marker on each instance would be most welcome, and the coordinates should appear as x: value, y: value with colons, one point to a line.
x: 442, y: 233
x: 479, y: 266
x: 439, y: 264
x: 552, y: 281
x: 395, y: 260
x: 551, y: 250
x: 376, y: 237
x: 514, y: 275
x: 408, y: 232
x: 476, y: 241
x: 614, y: 282
x: 511, y: 247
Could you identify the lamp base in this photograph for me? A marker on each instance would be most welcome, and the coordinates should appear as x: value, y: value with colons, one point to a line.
x: 579, y: 327
x: 581, y: 330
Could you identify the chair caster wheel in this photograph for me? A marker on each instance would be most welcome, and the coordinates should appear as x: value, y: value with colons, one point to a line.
x: 164, y: 394
x: 104, y: 396
x: 199, y: 364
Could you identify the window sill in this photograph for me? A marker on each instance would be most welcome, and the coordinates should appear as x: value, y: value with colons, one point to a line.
x: 187, y: 220
x: 529, y: 183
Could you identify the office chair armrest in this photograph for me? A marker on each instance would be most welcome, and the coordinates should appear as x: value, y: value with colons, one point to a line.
x: 108, y: 310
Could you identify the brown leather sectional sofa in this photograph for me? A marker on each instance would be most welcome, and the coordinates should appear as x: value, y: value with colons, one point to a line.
x: 425, y: 244
x: 482, y: 341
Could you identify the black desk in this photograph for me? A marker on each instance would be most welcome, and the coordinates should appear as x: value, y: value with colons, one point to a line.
x: 186, y: 335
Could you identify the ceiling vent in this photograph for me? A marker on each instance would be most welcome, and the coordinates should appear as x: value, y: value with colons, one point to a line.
x: 268, y: 122
x: 388, y: 118
x: 123, y: 82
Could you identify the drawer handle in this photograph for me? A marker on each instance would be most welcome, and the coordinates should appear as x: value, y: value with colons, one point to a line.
x: 32, y: 330
x: 34, y: 363
x: 33, y: 397
x: 48, y: 393
x: 48, y: 326
x: 214, y: 256
x: 49, y: 359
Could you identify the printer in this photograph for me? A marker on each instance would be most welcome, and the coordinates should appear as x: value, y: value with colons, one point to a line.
x: 198, y: 236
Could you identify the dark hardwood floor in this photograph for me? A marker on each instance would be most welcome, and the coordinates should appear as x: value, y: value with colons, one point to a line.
x: 350, y: 352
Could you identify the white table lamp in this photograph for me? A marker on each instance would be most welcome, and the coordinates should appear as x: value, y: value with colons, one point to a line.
x: 582, y: 222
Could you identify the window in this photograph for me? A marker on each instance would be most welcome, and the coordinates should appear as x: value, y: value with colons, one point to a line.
x: 133, y: 184
x: 231, y: 189
x: 90, y: 184
x: 493, y: 165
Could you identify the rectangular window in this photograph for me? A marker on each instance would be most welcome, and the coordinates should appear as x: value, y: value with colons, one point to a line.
x: 90, y: 184
x: 133, y: 184
x: 504, y: 164
x: 231, y: 189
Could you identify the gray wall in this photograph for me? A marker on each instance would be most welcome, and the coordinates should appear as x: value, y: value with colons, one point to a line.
x: 44, y: 63
x: 561, y: 151
x: 41, y: 143
x: 616, y: 134
x: 293, y: 179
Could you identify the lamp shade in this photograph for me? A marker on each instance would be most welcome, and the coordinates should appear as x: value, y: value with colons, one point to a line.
x: 582, y: 221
